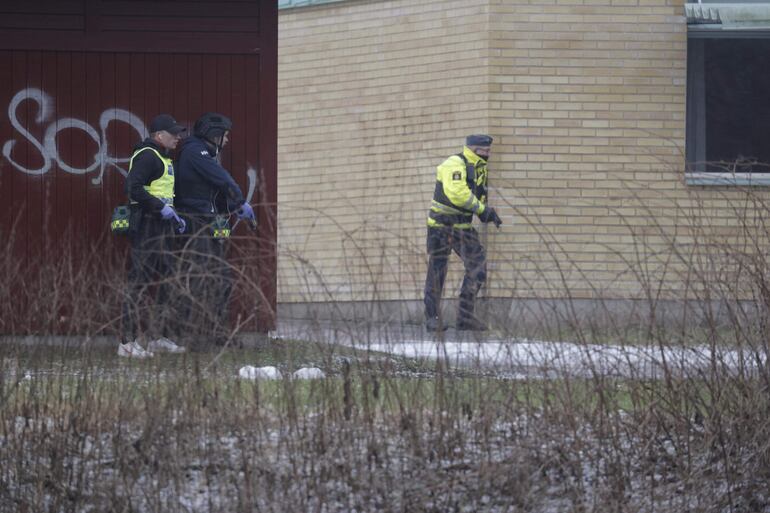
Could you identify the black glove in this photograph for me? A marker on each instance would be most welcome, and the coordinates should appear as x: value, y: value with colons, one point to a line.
x: 490, y: 216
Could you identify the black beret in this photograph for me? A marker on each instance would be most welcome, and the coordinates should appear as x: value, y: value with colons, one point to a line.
x: 478, y: 140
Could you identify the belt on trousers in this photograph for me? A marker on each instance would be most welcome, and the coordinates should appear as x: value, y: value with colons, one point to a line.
x: 449, y: 220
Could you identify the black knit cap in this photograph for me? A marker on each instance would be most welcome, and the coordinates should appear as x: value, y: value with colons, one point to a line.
x: 478, y: 140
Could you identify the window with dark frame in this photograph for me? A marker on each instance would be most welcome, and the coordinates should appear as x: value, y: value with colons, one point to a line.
x: 728, y: 104
x: 728, y: 93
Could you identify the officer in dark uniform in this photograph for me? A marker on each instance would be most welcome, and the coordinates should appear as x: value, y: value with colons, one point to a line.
x: 150, y: 189
x: 206, y: 195
x: 461, y: 191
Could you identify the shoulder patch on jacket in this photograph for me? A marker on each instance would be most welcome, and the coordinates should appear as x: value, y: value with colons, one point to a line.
x: 457, y: 175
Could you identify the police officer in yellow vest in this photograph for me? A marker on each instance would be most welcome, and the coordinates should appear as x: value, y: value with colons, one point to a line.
x: 461, y: 191
x: 153, y: 221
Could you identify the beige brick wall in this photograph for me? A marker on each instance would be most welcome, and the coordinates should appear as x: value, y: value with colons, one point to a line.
x: 586, y: 100
x: 372, y: 95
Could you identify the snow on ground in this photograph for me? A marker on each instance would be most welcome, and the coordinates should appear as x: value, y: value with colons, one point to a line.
x: 272, y: 373
x: 520, y: 358
x: 575, y: 359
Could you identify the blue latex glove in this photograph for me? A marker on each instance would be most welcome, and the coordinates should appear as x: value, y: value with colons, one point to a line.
x: 167, y: 213
x: 246, y: 212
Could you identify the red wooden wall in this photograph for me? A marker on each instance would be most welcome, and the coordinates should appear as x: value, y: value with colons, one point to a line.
x: 81, y: 79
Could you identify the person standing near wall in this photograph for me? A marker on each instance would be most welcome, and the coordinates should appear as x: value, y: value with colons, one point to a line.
x: 150, y: 190
x: 206, y: 195
x: 461, y: 191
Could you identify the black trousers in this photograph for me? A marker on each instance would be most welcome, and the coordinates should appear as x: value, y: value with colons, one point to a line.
x: 150, y: 274
x: 441, y: 242
x: 206, y: 281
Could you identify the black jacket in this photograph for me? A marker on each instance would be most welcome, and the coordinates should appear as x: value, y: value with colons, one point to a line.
x: 202, y: 185
x: 146, y: 168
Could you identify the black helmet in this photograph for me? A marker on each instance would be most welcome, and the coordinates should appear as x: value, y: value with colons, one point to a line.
x: 212, y: 125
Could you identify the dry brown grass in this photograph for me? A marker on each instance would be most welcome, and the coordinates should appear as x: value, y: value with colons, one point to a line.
x: 86, y: 433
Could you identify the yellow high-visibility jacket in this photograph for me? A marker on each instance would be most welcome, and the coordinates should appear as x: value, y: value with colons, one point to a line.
x: 461, y: 190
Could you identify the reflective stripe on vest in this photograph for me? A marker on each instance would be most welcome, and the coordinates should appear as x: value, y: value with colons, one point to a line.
x: 163, y: 187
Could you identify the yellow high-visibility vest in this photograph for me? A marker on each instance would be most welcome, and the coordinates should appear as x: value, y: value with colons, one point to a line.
x: 163, y: 187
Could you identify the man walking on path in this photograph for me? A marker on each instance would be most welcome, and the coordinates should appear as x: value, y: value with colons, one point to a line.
x: 461, y: 191
x: 150, y: 190
x: 206, y: 196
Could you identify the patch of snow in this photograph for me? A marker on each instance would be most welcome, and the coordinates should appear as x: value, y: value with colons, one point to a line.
x: 577, y: 359
x: 309, y: 373
x: 251, y: 372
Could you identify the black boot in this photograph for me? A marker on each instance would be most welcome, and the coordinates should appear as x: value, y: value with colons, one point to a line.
x: 466, y: 321
x: 471, y: 323
x: 434, y: 324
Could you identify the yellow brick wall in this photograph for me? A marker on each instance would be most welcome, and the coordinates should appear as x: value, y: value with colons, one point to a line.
x: 586, y: 101
x: 372, y: 96
x: 588, y: 98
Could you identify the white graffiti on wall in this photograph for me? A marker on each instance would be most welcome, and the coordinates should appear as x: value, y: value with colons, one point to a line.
x: 48, y: 147
x: 252, y: 175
